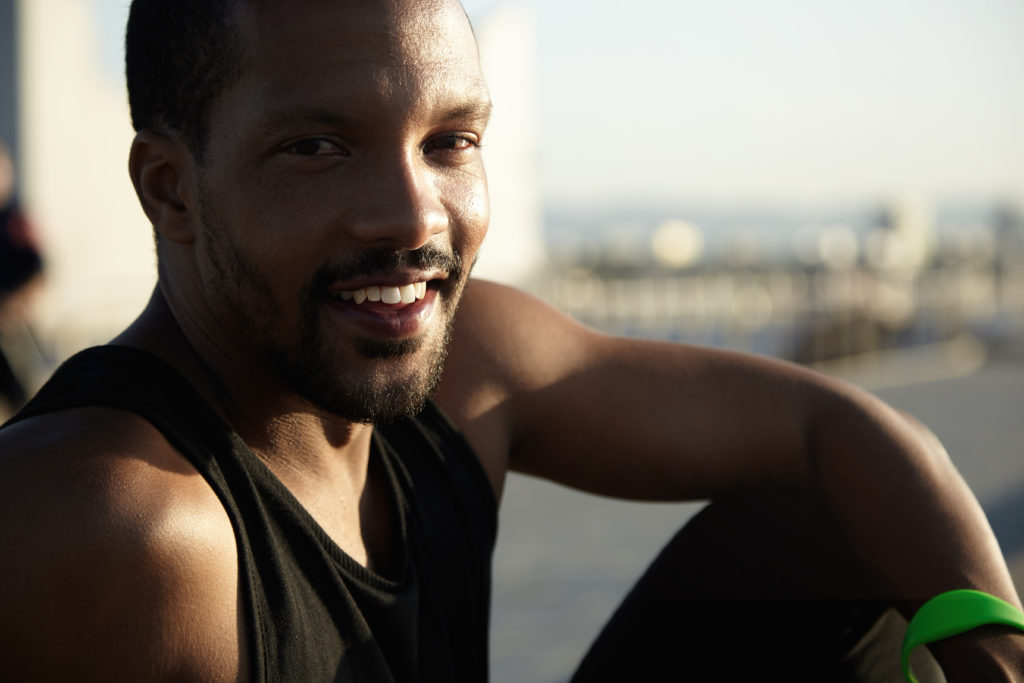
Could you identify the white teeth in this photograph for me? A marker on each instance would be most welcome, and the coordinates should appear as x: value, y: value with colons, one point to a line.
x: 405, y: 294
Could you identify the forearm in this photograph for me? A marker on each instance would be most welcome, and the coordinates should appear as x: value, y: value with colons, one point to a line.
x: 907, y: 511
x: 913, y: 521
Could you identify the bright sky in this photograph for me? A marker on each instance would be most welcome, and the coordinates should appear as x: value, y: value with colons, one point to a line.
x: 806, y: 101
x: 791, y: 100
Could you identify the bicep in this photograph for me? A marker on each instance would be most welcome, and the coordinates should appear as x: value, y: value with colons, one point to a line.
x: 119, y: 617
x: 653, y: 420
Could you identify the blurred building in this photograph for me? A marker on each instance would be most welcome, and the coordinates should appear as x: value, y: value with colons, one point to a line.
x: 73, y: 135
x: 514, y: 249
x: 810, y: 286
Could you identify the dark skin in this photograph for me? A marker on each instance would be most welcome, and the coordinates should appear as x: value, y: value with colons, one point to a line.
x: 126, y: 559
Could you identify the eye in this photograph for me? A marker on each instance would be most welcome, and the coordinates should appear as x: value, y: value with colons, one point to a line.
x: 451, y: 142
x: 312, y: 147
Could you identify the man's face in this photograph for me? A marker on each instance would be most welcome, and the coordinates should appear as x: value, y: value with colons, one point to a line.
x: 342, y: 171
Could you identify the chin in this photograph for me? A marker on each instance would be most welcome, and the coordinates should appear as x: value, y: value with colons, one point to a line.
x: 379, y: 399
x: 382, y: 382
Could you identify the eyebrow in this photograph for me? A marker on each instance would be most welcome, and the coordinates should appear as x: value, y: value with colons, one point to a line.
x: 477, y: 109
x: 274, y: 120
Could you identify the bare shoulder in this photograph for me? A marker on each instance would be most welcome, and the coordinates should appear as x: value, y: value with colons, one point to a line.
x: 506, y: 345
x: 514, y: 337
x: 120, y: 561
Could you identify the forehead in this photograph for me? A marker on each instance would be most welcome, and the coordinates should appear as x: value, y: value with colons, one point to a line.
x: 324, y: 48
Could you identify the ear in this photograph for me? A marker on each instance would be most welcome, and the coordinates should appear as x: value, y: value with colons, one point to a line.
x: 163, y: 172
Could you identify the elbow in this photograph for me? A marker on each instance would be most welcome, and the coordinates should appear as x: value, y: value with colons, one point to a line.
x: 849, y: 429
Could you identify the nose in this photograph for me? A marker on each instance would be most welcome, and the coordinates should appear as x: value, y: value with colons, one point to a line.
x: 400, y: 206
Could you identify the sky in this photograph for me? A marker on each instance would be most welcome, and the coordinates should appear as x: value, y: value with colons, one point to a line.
x: 793, y: 101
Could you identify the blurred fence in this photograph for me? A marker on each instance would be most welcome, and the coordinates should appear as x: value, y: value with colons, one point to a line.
x: 799, y: 313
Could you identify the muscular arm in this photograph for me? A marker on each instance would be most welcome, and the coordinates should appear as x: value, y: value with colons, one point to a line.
x: 663, y: 421
x: 118, y: 561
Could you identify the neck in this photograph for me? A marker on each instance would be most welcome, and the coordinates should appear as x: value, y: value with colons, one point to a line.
x: 322, y: 459
x: 296, y: 439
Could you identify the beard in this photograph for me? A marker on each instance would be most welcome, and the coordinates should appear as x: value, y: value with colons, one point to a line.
x: 312, y: 364
x: 381, y: 397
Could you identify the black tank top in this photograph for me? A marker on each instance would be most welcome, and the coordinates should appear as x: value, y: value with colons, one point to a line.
x: 314, y: 613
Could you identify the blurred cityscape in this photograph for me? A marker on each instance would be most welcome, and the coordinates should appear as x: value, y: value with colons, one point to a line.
x: 807, y: 286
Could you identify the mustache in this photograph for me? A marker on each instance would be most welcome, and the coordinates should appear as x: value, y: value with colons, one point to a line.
x: 382, y: 261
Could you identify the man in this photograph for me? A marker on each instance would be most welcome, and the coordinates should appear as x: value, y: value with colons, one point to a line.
x: 247, y: 486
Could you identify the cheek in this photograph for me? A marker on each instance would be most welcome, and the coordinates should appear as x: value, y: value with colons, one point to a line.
x: 286, y: 230
x: 472, y: 216
x: 478, y: 208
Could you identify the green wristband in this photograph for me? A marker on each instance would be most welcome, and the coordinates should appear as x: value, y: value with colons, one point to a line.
x: 953, y: 613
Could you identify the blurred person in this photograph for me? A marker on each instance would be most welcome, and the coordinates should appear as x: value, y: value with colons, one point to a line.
x: 288, y: 467
x: 21, y: 267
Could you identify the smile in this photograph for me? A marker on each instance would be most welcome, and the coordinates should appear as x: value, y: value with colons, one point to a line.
x: 405, y: 294
x: 386, y: 311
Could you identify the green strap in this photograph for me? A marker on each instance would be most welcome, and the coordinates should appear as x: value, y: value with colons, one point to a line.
x: 953, y: 613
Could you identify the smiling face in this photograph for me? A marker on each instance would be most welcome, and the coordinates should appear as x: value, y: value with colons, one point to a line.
x: 342, y: 199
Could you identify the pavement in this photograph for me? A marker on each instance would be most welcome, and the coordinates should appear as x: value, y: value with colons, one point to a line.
x: 565, y: 559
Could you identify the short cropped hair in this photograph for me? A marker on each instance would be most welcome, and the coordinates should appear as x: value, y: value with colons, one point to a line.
x: 179, y: 56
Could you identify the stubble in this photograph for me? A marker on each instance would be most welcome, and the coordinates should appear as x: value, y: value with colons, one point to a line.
x: 311, y: 363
